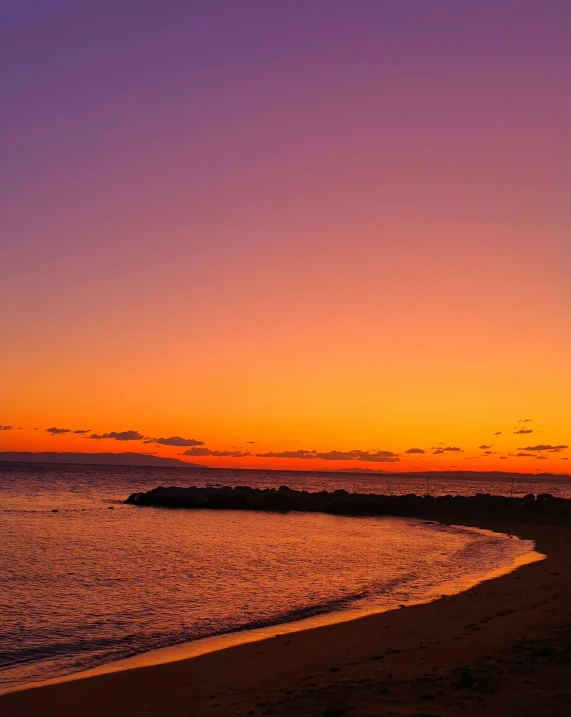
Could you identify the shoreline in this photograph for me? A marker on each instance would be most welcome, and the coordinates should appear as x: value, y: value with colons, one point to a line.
x: 481, y: 648
x: 242, y: 636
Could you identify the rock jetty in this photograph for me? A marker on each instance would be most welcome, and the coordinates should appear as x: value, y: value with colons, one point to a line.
x: 543, y: 508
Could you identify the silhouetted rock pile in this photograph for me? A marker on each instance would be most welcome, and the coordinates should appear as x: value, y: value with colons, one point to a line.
x: 543, y: 508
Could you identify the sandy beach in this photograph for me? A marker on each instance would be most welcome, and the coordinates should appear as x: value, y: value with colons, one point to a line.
x: 502, y: 647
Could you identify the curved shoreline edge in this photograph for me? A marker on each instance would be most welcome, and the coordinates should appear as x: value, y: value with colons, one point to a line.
x: 509, y: 620
x: 214, y: 643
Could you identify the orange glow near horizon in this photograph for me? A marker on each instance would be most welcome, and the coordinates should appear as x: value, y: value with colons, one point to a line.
x: 362, y: 244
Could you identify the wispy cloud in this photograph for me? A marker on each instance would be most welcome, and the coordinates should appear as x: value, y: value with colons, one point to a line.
x: 118, y: 436
x: 523, y: 431
x: 177, y: 441
x: 6, y: 428
x: 498, y: 433
x: 545, y: 447
x: 483, y: 448
x: 416, y: 450
x: 301, y: 453
x: 81, y: 431
x: 355, y: 455
x: 218, y: 454
x: 57, y: 431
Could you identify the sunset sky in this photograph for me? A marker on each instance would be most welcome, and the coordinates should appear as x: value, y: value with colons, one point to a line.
x: 296, y: 234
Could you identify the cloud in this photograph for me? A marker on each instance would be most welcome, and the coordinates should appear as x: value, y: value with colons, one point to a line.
x: 541, y: 458
x: 498, y: 433
x: 503, y: 458
x: 483, y: 448
x: 525, y: 420
x: 288, y: 454
x: 453, y: 449
x: 437, y: 452
x: 121, y: 436
x: 217, y: 454
x: 545, y: 447
x: 355, y: 455
x: 6, y: 428
x: 523, y: 431
x: 178, y: 441
x: 57, y: 431
x: 81, y: 431
x: 415, y: 450
x: 488, y: 453
x: 523, y: 455
x: 251, y: 442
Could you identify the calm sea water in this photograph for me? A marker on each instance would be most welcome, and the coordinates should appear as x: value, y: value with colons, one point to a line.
x: 85, y: 580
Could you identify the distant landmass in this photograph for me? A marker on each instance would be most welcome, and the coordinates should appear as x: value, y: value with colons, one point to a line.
x: 452, y: 474
x: 95, y: 459
x: 144, y: 459
x: 357, y: 470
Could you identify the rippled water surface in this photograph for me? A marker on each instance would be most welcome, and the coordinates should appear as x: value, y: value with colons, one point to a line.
x: 86, y: 580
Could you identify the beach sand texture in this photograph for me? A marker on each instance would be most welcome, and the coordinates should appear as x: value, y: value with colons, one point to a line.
x: 501, y: 648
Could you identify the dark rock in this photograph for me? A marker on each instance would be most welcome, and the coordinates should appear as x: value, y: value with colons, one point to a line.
x: 544, y: 509
x: 335, y: 711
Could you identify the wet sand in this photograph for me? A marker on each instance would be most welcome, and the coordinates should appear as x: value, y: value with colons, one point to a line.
x: 501, y: 648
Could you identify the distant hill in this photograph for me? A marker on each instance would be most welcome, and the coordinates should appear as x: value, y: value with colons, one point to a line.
x: 358, y: 470
x: 95, y: 459
x: 452, y: 474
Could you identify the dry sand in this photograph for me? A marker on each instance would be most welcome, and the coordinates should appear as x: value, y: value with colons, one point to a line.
x: 501, y: 648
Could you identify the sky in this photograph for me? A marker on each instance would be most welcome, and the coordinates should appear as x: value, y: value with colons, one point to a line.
x: 293, y: 234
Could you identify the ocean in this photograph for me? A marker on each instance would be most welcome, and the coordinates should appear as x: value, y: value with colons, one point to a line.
x: 86, y: 580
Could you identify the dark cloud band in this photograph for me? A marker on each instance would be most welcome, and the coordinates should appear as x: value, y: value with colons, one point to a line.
x: 218, y: 454
x: 545, y: 447
x: 355, y: 455
x: 118, y: 436
x: 178, y: 441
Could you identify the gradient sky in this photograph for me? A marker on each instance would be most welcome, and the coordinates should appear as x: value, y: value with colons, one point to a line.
x: 316, y: 226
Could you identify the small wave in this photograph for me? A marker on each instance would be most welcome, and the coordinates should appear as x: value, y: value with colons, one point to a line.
x: 101, y: 649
